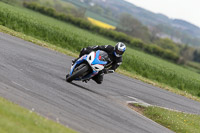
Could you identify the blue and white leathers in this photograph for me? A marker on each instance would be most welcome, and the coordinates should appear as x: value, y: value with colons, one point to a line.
x: 93, y: 61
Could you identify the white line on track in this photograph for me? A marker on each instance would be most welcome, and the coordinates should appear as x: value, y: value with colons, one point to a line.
x: 142, y: 103
x: 20, y: 86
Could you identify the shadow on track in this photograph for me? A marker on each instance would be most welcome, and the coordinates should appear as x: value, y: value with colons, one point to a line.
x: 88, y: 89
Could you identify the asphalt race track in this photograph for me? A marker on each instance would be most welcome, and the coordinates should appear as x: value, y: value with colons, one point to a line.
x: 34, y: 77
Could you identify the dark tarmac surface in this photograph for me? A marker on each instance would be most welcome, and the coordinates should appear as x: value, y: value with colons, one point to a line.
x: 34, y: 77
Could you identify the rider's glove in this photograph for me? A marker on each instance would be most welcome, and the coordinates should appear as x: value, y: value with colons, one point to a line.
x: 110, y: 71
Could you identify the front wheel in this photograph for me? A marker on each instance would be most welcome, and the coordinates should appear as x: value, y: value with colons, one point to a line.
x: 80, y: 70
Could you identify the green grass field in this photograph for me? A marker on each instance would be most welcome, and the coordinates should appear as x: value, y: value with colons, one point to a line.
x: 194, y: 66
x: 162, y: 71
x: 15, y: 119
x: 69, y: 37
x: 178, y: 122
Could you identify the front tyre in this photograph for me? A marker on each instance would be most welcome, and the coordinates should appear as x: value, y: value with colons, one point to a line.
x: 80, y: 70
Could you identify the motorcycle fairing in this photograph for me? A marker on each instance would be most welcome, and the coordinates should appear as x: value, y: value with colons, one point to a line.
x: 97, y: 61
x: 79, y: 61
x: 93, y: 60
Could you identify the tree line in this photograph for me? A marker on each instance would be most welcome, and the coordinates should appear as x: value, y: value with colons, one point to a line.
x: 131, y: 26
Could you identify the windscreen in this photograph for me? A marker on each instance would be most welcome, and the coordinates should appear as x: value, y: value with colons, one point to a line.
x: 103, y: 56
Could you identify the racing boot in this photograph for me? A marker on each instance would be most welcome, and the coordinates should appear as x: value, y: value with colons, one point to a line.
x: 98, y: 78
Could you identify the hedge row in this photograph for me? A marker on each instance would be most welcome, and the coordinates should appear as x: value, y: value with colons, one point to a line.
x: 117, y: 36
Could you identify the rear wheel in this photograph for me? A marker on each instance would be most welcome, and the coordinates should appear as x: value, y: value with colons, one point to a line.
x: 79, y: 71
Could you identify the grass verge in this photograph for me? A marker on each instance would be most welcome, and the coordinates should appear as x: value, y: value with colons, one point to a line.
x: 37, y: 41
x: 15, y: 119
x: 176, y: 121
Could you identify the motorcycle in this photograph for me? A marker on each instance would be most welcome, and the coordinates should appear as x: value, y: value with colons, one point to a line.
x: 88, y: 66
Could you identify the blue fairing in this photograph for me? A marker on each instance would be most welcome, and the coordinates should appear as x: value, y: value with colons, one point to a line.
x: 84, y: 58
x: 97, y: 61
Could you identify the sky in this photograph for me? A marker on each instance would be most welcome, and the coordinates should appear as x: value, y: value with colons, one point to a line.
x: 188, y: 10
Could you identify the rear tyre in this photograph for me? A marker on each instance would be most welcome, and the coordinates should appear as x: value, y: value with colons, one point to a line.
x: 80, y: 70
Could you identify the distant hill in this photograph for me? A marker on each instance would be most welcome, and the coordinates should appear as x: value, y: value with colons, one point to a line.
x: 178, y: 30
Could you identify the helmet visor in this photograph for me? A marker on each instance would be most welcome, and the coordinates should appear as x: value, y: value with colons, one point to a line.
x: 119, y: 52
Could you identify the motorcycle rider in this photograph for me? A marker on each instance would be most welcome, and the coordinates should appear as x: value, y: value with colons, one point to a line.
x: 114, y: 53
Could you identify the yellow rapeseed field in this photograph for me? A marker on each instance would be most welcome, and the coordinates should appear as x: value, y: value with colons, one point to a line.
x: 101, y: 24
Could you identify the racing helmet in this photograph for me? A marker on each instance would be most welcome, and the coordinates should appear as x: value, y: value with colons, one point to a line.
x: 119, y: 49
